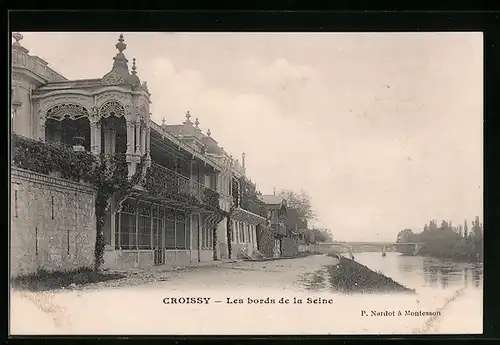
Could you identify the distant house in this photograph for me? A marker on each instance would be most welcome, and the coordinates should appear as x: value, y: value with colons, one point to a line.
x: 276, y: 238
x: 247, y: 214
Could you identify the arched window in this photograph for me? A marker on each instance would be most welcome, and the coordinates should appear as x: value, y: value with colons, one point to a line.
x: 66, y: 122
x: 67, y: 111
x: 112, y: 108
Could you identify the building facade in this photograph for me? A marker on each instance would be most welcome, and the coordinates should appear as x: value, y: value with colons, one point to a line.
x: 277, y: 238
x: 190, y: 201
x: 247, y: 215
x: 163, y: 219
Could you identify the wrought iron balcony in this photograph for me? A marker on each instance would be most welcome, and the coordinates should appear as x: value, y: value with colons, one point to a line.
x: 167, y: 183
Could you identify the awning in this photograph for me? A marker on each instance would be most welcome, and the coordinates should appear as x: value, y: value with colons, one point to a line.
x: 242, y: 215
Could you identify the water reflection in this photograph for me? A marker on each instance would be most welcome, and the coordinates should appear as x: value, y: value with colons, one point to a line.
x: 438, y: 273
x: 478, y: 275
x: 417, y: 272
x: 413, y: 272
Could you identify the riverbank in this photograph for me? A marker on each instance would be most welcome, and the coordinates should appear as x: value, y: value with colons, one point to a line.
x: 349, y: 276
x: 341, y: 274
x: 230, y: 286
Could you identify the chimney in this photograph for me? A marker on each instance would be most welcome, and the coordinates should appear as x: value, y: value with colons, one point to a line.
x: 243, y: 160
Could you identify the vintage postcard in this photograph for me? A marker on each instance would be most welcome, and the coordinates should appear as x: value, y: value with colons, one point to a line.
x: 171, y: 183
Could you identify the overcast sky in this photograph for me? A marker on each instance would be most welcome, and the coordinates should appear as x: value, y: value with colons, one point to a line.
x: 384, y: 131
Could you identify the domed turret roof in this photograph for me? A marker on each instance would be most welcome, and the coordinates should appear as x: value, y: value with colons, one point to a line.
x: 119, y: 74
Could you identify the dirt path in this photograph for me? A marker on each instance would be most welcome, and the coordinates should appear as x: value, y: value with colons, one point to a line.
x: 69, y: 310
x: 136, y: 305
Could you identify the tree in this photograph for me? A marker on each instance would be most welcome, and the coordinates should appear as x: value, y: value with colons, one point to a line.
x: 444, y: 242
x: 315, y: 235
x: 466, y: 229
x: 300, y: 201
x: 433, y: 225
x: 406, y: 235
x: 476, y: 237
x: 476, y: 230
x: 444, y: 226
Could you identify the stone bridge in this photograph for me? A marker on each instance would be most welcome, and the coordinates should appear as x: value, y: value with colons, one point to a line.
x: 352, y: 247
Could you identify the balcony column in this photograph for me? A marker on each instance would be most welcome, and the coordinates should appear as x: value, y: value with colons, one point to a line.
x: 41, y: 128
x: 95, y: 131
x: 138, y: 137
x: 143, y: 139
x: 131, y: 163
x: 147, y: 149
x: 148, y: 140
x: 97, y: 141
x: 92, y: 137
x: 130, y: 137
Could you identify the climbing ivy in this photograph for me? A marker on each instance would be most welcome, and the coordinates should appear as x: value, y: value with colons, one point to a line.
x: 110, y: 177
x: 107, y: 173
x: 47, y: 158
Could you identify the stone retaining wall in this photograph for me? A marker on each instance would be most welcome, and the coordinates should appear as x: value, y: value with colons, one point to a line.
x: 53, y: 224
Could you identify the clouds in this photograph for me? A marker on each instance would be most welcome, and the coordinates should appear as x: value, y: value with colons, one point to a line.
x: 383, y: 130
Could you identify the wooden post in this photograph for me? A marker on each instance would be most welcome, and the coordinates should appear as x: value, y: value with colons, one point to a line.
x: 151, y: 226
x: 137, y: 226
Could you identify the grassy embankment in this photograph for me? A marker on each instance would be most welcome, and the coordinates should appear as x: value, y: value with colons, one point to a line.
x: 44, y: 280
x: 348, y: 276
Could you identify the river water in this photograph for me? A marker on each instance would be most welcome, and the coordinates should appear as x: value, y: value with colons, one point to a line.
x: 423, y: 273
x: 454, y: 288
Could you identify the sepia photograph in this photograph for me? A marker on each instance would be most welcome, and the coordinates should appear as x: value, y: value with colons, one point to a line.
x: 230, y: 183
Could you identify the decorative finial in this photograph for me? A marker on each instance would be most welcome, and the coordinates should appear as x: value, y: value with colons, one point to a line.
x: 134, y: 67
x: 188, y: 115
x: 196, y: 123
x: 120, y: 45
x: 18, y: 37
x: 243, y: 154
x: 209, y: 133
x: 163, y: 122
